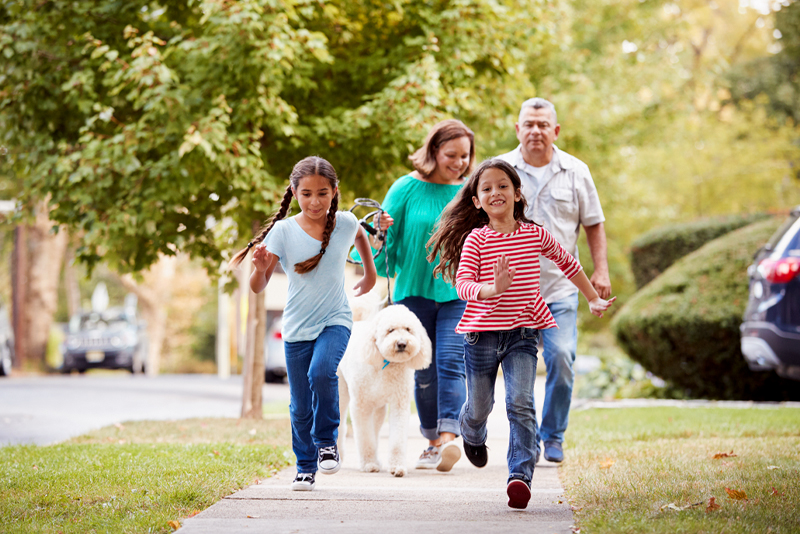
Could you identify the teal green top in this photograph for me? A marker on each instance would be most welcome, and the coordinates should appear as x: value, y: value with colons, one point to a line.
x: 415, y: 207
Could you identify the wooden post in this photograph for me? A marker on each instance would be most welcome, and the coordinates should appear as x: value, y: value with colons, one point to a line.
x: 223, y: 331
x: 19, y: 284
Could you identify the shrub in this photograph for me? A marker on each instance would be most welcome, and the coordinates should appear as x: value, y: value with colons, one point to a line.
x: 684, y: 326
x: 654, y: 251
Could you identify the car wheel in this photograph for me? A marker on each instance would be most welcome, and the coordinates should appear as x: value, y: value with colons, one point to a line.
x: 5, y: 364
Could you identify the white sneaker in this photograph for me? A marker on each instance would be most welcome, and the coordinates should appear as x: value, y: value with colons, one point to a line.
x: 449, y: 454
x: 303, y: 482
x: 428, y: 459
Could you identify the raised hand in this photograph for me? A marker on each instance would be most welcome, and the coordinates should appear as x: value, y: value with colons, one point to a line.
x: 261, y: 258
x: 503, y: 274
x: 598, y: 306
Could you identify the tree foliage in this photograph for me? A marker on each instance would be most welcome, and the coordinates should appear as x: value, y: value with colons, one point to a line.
x: 148, y: 123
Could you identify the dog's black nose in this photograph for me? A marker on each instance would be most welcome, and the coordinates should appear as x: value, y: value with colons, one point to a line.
x: 401, y: 345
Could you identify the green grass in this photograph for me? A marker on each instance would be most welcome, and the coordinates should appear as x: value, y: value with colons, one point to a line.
x: 136, y: 477
x: 626, y: 466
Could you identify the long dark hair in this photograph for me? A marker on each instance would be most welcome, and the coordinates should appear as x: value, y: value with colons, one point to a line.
x: 460, y: 217
x: 310, y: 166
x: 424, y: 159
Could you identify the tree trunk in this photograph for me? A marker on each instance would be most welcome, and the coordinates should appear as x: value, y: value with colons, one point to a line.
x: 253, y: 371
x: 154, y: 296
x: 45, y: 257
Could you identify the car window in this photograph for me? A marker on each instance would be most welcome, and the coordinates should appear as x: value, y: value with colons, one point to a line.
x: 787, y: 239
x: 785, y: 225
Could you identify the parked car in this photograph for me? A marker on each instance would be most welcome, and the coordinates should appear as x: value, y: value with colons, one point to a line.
x: 274, y: 356
x: 771, y: 328
x: 6, y: 342
x: 111, y: 339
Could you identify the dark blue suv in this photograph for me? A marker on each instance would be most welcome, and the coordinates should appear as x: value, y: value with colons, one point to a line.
x: 771, y: 327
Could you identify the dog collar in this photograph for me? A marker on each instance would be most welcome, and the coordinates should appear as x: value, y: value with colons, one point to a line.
x: 385, y: 363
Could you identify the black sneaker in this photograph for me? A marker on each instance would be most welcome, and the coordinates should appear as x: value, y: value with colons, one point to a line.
x: 328, y: 460
x: 303, y: 482
x: 476, y: 454
x: 519, y: 493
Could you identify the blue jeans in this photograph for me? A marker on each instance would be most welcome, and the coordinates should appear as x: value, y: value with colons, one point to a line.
x: 440, y: 390
x: 314, y: 393
x: 485, y: 352
x: 560, y: 345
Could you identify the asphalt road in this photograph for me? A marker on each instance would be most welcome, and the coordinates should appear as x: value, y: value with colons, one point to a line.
x: 48, y: 409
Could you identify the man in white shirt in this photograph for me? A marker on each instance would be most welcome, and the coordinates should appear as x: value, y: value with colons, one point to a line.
x: 561, y: 196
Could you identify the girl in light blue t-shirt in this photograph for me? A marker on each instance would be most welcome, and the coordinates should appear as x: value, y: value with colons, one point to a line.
x: 312, y: 247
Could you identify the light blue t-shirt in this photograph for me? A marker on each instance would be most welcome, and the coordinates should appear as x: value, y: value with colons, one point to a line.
x: 317, y: 298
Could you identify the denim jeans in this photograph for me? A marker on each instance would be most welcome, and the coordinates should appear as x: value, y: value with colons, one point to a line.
x: 485, y: 352
x: 560, y: 345
x: 314, y: 393
x: 440, y: 390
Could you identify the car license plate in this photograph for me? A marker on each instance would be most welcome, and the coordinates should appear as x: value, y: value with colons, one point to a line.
x: 95, y: 356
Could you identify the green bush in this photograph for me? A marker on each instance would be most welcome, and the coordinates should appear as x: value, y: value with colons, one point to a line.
x: 653, y: 252
x: 684, y: 326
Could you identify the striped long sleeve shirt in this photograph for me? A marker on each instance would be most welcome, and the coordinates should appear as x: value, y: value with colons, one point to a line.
x: 521, y: 305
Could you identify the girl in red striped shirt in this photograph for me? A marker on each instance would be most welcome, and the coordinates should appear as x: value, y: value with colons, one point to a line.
x: 491, y: 251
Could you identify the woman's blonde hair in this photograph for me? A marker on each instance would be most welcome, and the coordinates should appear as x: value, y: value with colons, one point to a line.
x: 310, y: 166
x: 424, y: 159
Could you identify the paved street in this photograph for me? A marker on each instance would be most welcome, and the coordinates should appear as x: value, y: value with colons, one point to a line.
x: 49, y: 409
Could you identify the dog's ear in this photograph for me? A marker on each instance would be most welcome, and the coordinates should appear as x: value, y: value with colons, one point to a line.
x: 371, y: 353
x: 423, y: 358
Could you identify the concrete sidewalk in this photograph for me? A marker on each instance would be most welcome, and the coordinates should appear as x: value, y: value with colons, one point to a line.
x: 466, y: 500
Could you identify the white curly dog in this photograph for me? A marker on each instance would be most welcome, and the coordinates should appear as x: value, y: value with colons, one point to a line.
x: 376, y: 373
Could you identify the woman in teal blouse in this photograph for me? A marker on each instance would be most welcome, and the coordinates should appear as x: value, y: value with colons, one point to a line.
x: 415, y: 202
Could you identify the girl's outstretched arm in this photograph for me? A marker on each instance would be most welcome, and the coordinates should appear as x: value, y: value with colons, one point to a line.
x: 264, y: 262
x: 597, y: 305
x: 370, y: 274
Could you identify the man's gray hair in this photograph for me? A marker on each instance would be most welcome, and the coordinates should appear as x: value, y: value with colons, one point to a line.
x: 539, y: 103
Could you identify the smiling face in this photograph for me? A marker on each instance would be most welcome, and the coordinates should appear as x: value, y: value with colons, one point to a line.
x: 496, y: 194
x: 314, y: 193
x: 452, y: 160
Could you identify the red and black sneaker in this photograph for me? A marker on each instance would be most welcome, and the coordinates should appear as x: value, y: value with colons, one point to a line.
x: 519, y: 493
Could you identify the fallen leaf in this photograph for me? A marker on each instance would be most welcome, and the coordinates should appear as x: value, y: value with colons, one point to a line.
x: 216, y: 453
x: 673, y: 506
x: 776, y: 492
x: 771, y: 467
x: 712, y: 505
x: 253, y: 516
x: 193, y: 514
x: 608, y: 462
x: 174, y: 524
x: 723, y: 455
x: 36, y: 467
x: 737, y: 495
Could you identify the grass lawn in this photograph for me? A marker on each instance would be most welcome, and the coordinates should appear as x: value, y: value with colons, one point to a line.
x: 654, y: 470
x: 136, y: 477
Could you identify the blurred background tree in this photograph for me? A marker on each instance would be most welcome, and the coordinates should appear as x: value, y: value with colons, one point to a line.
x: 145, y: 125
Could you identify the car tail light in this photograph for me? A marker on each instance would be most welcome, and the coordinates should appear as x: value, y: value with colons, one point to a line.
x: 779, y: 271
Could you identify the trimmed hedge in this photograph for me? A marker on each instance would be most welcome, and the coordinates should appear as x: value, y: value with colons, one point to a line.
x: 654, y: 251
x: 684, y: 325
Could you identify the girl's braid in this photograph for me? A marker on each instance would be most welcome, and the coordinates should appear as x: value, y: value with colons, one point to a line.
x: 280, y: 214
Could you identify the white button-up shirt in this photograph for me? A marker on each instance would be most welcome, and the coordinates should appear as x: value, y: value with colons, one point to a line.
x: 562, y: 200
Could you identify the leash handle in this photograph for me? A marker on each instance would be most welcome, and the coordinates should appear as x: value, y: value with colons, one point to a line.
x: 375, y: 231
